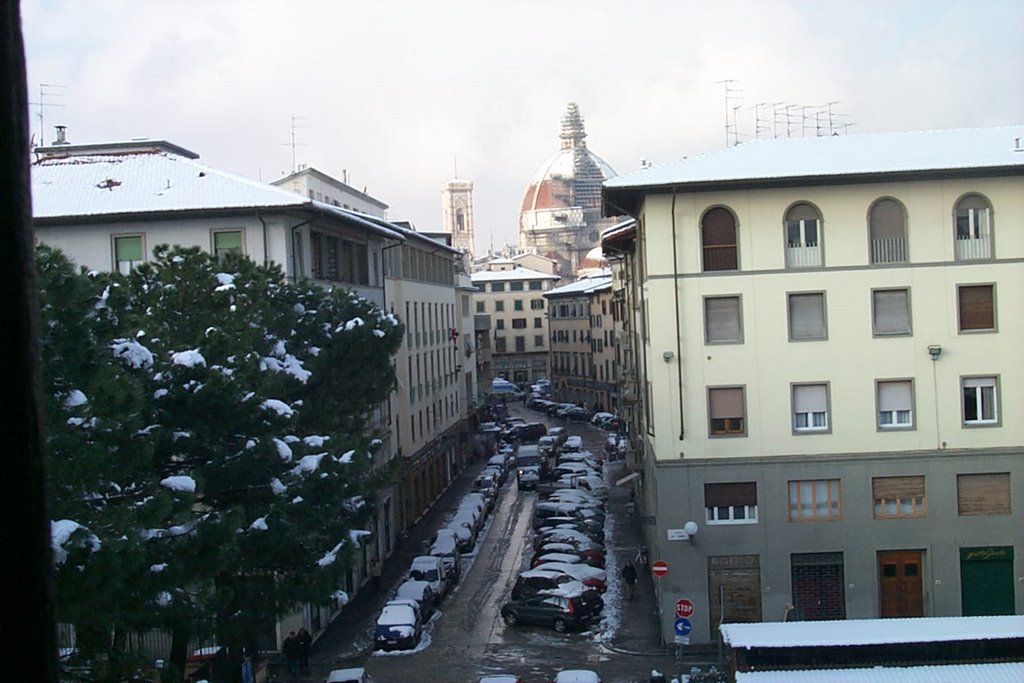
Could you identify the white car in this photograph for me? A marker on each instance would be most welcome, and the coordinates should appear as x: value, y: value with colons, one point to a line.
x: 577, y: 676
x: 356, y: 675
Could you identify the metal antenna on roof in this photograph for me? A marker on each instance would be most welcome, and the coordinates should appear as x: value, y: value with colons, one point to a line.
x: 45, y: 91
x: 729, y: 97
x: 293, y: 144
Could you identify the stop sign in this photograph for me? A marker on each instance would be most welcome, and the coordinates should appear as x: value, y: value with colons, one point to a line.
x: 660, y: 568
x: 684, y: 608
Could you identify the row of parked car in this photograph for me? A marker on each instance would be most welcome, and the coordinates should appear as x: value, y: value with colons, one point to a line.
x: 432, y: 576
x: 563, y: 587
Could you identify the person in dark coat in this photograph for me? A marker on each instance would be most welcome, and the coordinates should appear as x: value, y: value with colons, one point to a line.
x: 290, y: 647
x: 629, y: 576
x: 304, y: 640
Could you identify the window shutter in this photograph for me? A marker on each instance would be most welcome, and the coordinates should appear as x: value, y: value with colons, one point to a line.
x: 227, y: 240
x: 886, y: 220
x: 892, y: 312
x: 893, y: 396
x: 128, y: 248
x: 719, y: 228
x: 735, y: 493
x: 810, y: 398
x: 726, y: 402
x: 722, y: 316
x: 893, y: 488
x: 983, y: 494
x: 806, y: 316
x: 976, y: 308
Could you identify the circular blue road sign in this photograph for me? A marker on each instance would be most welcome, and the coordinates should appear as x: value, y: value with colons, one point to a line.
x: 683, y: 626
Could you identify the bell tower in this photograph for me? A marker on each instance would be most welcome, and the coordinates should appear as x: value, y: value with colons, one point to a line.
x: 457, y: 214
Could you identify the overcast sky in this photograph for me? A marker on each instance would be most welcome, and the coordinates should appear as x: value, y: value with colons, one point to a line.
x: 393, y: 91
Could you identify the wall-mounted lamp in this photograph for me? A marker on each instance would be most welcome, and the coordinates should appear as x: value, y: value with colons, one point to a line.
x: 691, y: 530
x: 668, y: 356
x: 934, y: 350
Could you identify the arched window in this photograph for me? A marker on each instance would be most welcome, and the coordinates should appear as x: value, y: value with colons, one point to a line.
x: 718, y: 240
x: 803, y: 236
x: 973, y: 226
x: 888, y: 225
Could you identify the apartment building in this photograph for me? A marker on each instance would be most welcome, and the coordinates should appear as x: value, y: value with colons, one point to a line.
x: 827, y: 360
x: 583, y: 363
x: 513, y: 297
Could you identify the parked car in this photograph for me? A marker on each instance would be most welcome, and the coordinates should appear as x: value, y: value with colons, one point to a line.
x: 577, y: 676
x: 560, y: 612
x: 465, y: 535
x: 600, y: 417
x: 572, y: 444
x: 421, y: 593
x: 534, y: 581
x: 500, y: 678
x: 565, y: 536
x: 529, y: 432
x: 575, y: 413
x: 356, y: 675
x: 588, y: 555
x: 591, y: 527
x: 591, y: 577
x: 398, y: 628
x: 430, y: 569
x: 446, y: 546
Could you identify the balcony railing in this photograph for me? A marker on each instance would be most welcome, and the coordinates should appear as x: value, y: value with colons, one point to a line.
x: 720, y: 257
x: 798, y: 256
x: 973, y: 248
x: 889, y: 250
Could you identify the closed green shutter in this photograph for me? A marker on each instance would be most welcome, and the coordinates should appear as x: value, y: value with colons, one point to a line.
x: 128, y: 248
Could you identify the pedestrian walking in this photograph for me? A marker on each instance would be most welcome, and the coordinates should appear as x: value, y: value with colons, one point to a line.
x: 305, y: 641
x: 629, y: 576
x: 375, y: 569
x: 291, y: 655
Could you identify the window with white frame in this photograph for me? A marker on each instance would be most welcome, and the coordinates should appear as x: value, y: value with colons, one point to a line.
x: 731, y: 503
x: 887, y: 222
x: 227, y: 242
x: 980, y: 398
x: 807, y: 316
x: 803, y: 236
x: 722, y: 320
x: 895, y: 404
x: 890, y: 312
x: 810, y: 408
x: 973, y: 225
x: 814, y: 500
x: 127, y: 253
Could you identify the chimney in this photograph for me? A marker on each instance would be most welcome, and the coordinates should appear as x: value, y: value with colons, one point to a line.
x: 61, y: 136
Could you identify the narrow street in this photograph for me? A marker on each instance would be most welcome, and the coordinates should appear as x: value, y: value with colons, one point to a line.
x: 468, y: 639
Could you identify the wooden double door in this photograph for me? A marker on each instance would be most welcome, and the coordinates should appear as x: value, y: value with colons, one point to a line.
x: 901, y: 583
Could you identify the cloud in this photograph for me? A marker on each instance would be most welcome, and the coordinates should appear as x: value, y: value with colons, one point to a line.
x: 394, y: 91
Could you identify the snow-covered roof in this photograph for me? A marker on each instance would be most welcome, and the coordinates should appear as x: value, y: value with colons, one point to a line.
x: 840, y: 155
x: 587, y: 285
x: 144, y: 182
x: 514, y: 274
x: 150, y: 180
x: 1007, y: 672
x: 871, y: 631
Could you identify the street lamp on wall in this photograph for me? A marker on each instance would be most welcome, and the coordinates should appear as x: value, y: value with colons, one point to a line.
x: 934, y: 350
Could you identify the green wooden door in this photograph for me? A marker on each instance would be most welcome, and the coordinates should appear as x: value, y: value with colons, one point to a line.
x: 986, y: 581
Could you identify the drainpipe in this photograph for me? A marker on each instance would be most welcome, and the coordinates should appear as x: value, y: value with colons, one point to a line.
x: 675, y: 292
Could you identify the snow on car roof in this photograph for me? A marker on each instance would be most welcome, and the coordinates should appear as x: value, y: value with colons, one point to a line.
x: 872, y: 631
x: 396, y: 615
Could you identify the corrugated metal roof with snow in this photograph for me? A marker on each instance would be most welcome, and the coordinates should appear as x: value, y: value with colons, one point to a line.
x: 871, y: 631
x: 839, y: 155
x: 587, y: 285
x: 1006, y: 672
x: 144, y: 182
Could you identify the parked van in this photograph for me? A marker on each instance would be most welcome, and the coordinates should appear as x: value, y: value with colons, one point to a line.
x: 431, y: 569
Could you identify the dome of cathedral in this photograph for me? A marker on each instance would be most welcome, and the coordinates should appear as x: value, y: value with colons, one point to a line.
x: 572, y: 176
x: 594, y: 263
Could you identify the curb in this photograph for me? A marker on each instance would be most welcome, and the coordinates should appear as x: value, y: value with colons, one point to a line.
x: 622, y: 650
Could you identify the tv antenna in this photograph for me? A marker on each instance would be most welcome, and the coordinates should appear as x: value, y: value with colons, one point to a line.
x: 295, y: 125
x: 46, y: 90
x: 730, y: 95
